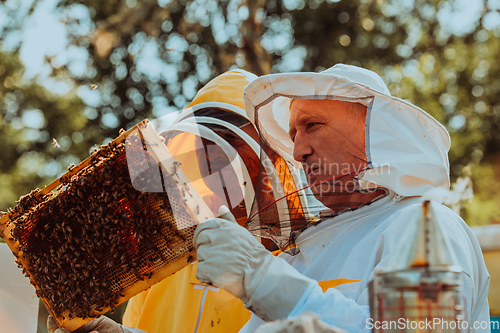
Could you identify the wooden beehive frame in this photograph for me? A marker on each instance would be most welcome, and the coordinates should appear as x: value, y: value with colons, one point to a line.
x: 162, y: 156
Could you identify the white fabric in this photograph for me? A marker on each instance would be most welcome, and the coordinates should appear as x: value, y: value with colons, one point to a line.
x: 244, y: 259
x: 18, y: 302
x: 132, y: 329
x: 406, y: 147
x: 220, y: 105
x: 407, y: 150
x: 279, y: 291
x: 230, y: 257
x: 305, y: 323
x: 425, y: 231
x: 353, y: 245
x: 361, y: 76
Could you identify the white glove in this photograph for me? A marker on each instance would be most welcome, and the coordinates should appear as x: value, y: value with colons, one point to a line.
x: 230, y: 257
x: 305, y: 323
x: 99, y: 325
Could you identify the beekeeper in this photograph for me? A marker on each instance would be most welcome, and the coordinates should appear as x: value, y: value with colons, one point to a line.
x: 218, y: 151
x: 215, y: 122
x: 370, y: 158
x: 205, y: 139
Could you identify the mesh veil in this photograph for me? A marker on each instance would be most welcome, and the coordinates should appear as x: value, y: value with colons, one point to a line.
x: 275, y: 205
x: 285, y: 204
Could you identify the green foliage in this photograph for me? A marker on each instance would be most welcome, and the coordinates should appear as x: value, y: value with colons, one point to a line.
x: 483, y: 209
x: 31, y: 118
x: 146, y: 58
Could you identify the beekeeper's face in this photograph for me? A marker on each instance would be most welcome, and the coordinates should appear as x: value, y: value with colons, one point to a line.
x: 329, y: 138
x: 218, y: 172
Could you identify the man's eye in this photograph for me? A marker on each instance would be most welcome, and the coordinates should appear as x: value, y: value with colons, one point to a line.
x: 310, y: 125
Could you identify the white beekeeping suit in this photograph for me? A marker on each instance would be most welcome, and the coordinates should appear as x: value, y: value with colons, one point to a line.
x: 406, y: 150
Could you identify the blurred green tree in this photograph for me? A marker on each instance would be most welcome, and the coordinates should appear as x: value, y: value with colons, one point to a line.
x: 147, y: 58
x: 31, y: 118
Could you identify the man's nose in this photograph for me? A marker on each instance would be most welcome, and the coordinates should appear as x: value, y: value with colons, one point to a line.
x: 301, y: 149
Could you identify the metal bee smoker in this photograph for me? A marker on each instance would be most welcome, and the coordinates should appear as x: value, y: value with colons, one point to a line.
x: 419, y: 290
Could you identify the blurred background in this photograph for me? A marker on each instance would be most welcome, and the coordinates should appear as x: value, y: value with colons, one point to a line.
x: 79, y: 70
x: 73, y: 72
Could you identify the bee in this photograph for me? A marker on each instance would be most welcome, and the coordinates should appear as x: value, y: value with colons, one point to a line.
x: 114, y: 145
x: 186, y: 187
x: 55, y: 143
x: 176, y: 166
x: 71, y: 167
x: 137, y: 274
x: 94, y: 86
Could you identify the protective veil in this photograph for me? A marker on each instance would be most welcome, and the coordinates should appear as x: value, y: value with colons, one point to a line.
x: 214, y: 144
x: 211, y: 145
x: 406, y: 155
x: 203, y: 140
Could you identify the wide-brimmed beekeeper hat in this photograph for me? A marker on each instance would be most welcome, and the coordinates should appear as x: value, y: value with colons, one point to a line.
x: 406, y: 148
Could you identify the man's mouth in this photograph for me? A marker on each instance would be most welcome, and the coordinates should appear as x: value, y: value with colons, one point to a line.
x: 310, y: 171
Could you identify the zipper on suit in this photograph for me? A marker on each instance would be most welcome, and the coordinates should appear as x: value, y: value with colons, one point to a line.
x: 202, y: 305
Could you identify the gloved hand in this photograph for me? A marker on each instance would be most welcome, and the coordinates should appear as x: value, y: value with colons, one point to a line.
x: 99, y: 325
x: 305, y: 323
x: 230, y: 257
